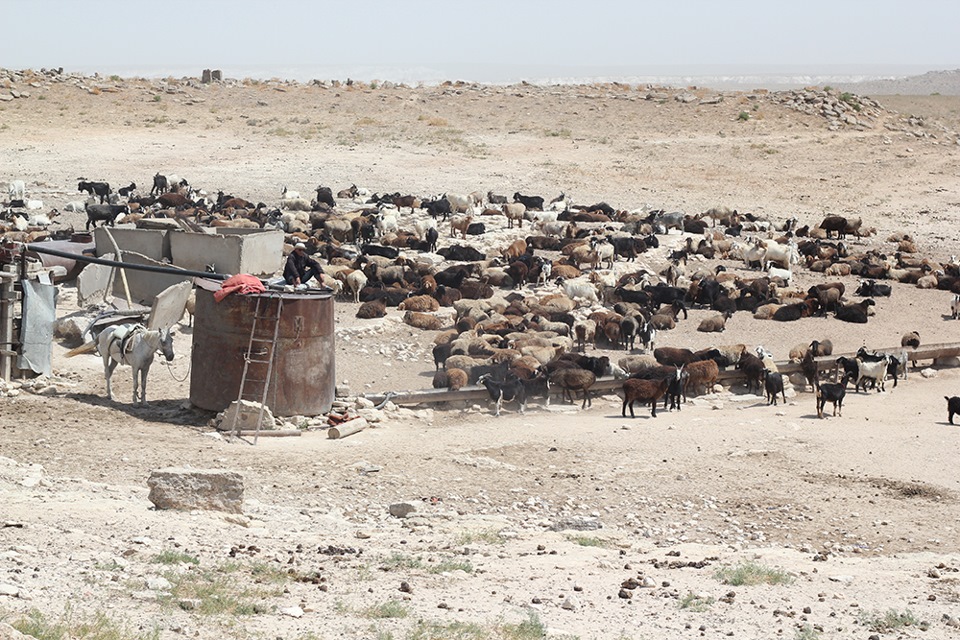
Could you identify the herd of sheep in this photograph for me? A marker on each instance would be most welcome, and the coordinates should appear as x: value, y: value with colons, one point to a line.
x: 528, y: 301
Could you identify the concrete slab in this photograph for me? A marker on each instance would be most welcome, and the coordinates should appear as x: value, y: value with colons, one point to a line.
x: 168, y: 305
x: 152, y: 243
x: 93, y: 281
x: 230, y: 251
x: 145, y: 285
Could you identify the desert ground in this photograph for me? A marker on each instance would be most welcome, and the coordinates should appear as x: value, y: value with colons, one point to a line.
x: 727, y: 518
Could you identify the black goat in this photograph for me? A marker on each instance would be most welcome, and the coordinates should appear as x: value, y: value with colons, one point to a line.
x: 159, y: 185
x: 870, y: 289
x: 461, y: 253
x: 831, y: 392
x: 953, y: 407
x: 509, y: 389
x: 530, y: 202
x: 325, y: 196
x: 675, y: 386
x: 439, y: 207
x: 379, y: 250
x: 856, y: 313
x: 106, y: 213
x: 773, y: 384
x: 100, y: 189
x: 126, y: 191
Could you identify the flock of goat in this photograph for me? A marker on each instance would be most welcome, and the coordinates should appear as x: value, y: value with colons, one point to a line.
x: 520, y: 346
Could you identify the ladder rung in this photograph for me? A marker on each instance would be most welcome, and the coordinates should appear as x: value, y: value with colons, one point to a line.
x: 270, y: 340
x: 253, y: 361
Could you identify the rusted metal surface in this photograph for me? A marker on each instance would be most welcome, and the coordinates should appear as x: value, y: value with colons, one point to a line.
x: 304, y: 374
x: 78, y: 244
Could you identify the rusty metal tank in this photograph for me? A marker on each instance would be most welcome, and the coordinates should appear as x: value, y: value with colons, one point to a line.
x: 303, y: 381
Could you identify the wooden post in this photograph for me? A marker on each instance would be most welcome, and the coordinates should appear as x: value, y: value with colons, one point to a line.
x: 123, y: 274
x: 345, y: 429
x: 7, y: 300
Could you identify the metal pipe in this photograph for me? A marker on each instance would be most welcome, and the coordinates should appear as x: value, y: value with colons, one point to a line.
x: 39, y: 248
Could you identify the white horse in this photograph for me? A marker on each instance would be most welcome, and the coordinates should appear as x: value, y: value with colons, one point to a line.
x: 134, y: 345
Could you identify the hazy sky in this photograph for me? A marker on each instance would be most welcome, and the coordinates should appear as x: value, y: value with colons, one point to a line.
x: 108, y: 35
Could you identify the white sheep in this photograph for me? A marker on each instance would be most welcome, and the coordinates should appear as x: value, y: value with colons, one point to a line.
x: 77, y: 206
x: 356, y: 280
x: 34, y: 205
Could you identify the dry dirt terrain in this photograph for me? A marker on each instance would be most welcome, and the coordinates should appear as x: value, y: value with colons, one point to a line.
x: 728, y: 518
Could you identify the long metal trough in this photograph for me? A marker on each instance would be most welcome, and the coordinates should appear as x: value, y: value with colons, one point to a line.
x: 824, y: 363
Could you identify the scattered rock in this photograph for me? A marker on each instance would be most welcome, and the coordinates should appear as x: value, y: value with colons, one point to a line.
x: 929, y: 373
x: 402, y: 509
x: 570, y: 604
x: 187, y: 489
x: 293, y: 612
x: 9, y: 590
x: 577, y: 523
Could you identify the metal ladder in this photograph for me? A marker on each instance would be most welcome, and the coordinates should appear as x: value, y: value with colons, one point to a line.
x: 267, y: 356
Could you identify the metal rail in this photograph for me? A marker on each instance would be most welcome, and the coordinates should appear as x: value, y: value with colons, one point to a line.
x: 39, y: 248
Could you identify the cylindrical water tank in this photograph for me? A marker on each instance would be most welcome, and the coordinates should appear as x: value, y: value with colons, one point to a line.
x: 303, y: 381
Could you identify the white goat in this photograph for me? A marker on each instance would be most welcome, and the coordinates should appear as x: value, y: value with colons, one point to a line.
x: 458, y: 203
x: 784, y: 274
x: 286, y: 194
x: 387, y: 222
x: 955, y: 307
x: 580, y: 288
x: 782, y: 255
x: 17, y: 190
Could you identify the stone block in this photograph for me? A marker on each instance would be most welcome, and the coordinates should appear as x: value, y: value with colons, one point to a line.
x: 187, y: 489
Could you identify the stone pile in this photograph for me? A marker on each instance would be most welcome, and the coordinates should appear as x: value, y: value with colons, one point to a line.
x: 840, y: 109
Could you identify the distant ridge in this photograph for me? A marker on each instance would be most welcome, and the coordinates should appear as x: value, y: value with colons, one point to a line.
x: 945, y: 83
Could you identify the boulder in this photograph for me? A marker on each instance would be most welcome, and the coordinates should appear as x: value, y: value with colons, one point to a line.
x: 247, y: 413
x: 187, y: 489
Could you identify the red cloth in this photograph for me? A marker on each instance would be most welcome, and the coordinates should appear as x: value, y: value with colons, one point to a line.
x: 240, y: 283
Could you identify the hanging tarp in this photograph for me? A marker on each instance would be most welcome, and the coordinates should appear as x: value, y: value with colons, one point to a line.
x: 36, y: 327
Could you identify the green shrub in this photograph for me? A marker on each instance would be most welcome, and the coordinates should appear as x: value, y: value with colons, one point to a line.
x: 751, y: 573
x: 744, y: 116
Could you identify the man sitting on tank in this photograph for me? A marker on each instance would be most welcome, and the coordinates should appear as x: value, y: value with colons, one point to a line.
x: 300, y: 267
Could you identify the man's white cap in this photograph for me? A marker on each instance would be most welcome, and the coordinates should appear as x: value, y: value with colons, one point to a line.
x: 300, y: 245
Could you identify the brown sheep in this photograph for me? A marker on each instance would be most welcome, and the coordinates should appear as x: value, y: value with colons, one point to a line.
x: 714, y: 324
x: 765, y: 312
x: 837, y: 269
x: 456, y: 379
x: 424, y: 321
x: 573, y: 380
x: 635, y: 390
x: 911, y: 339
x: 516, y: 249
x: 419, y: 303
x: 565, y: 271
x: 372, y: 309
x: 702, y: 374
x: 514, y: 212
x: 441, y: 379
